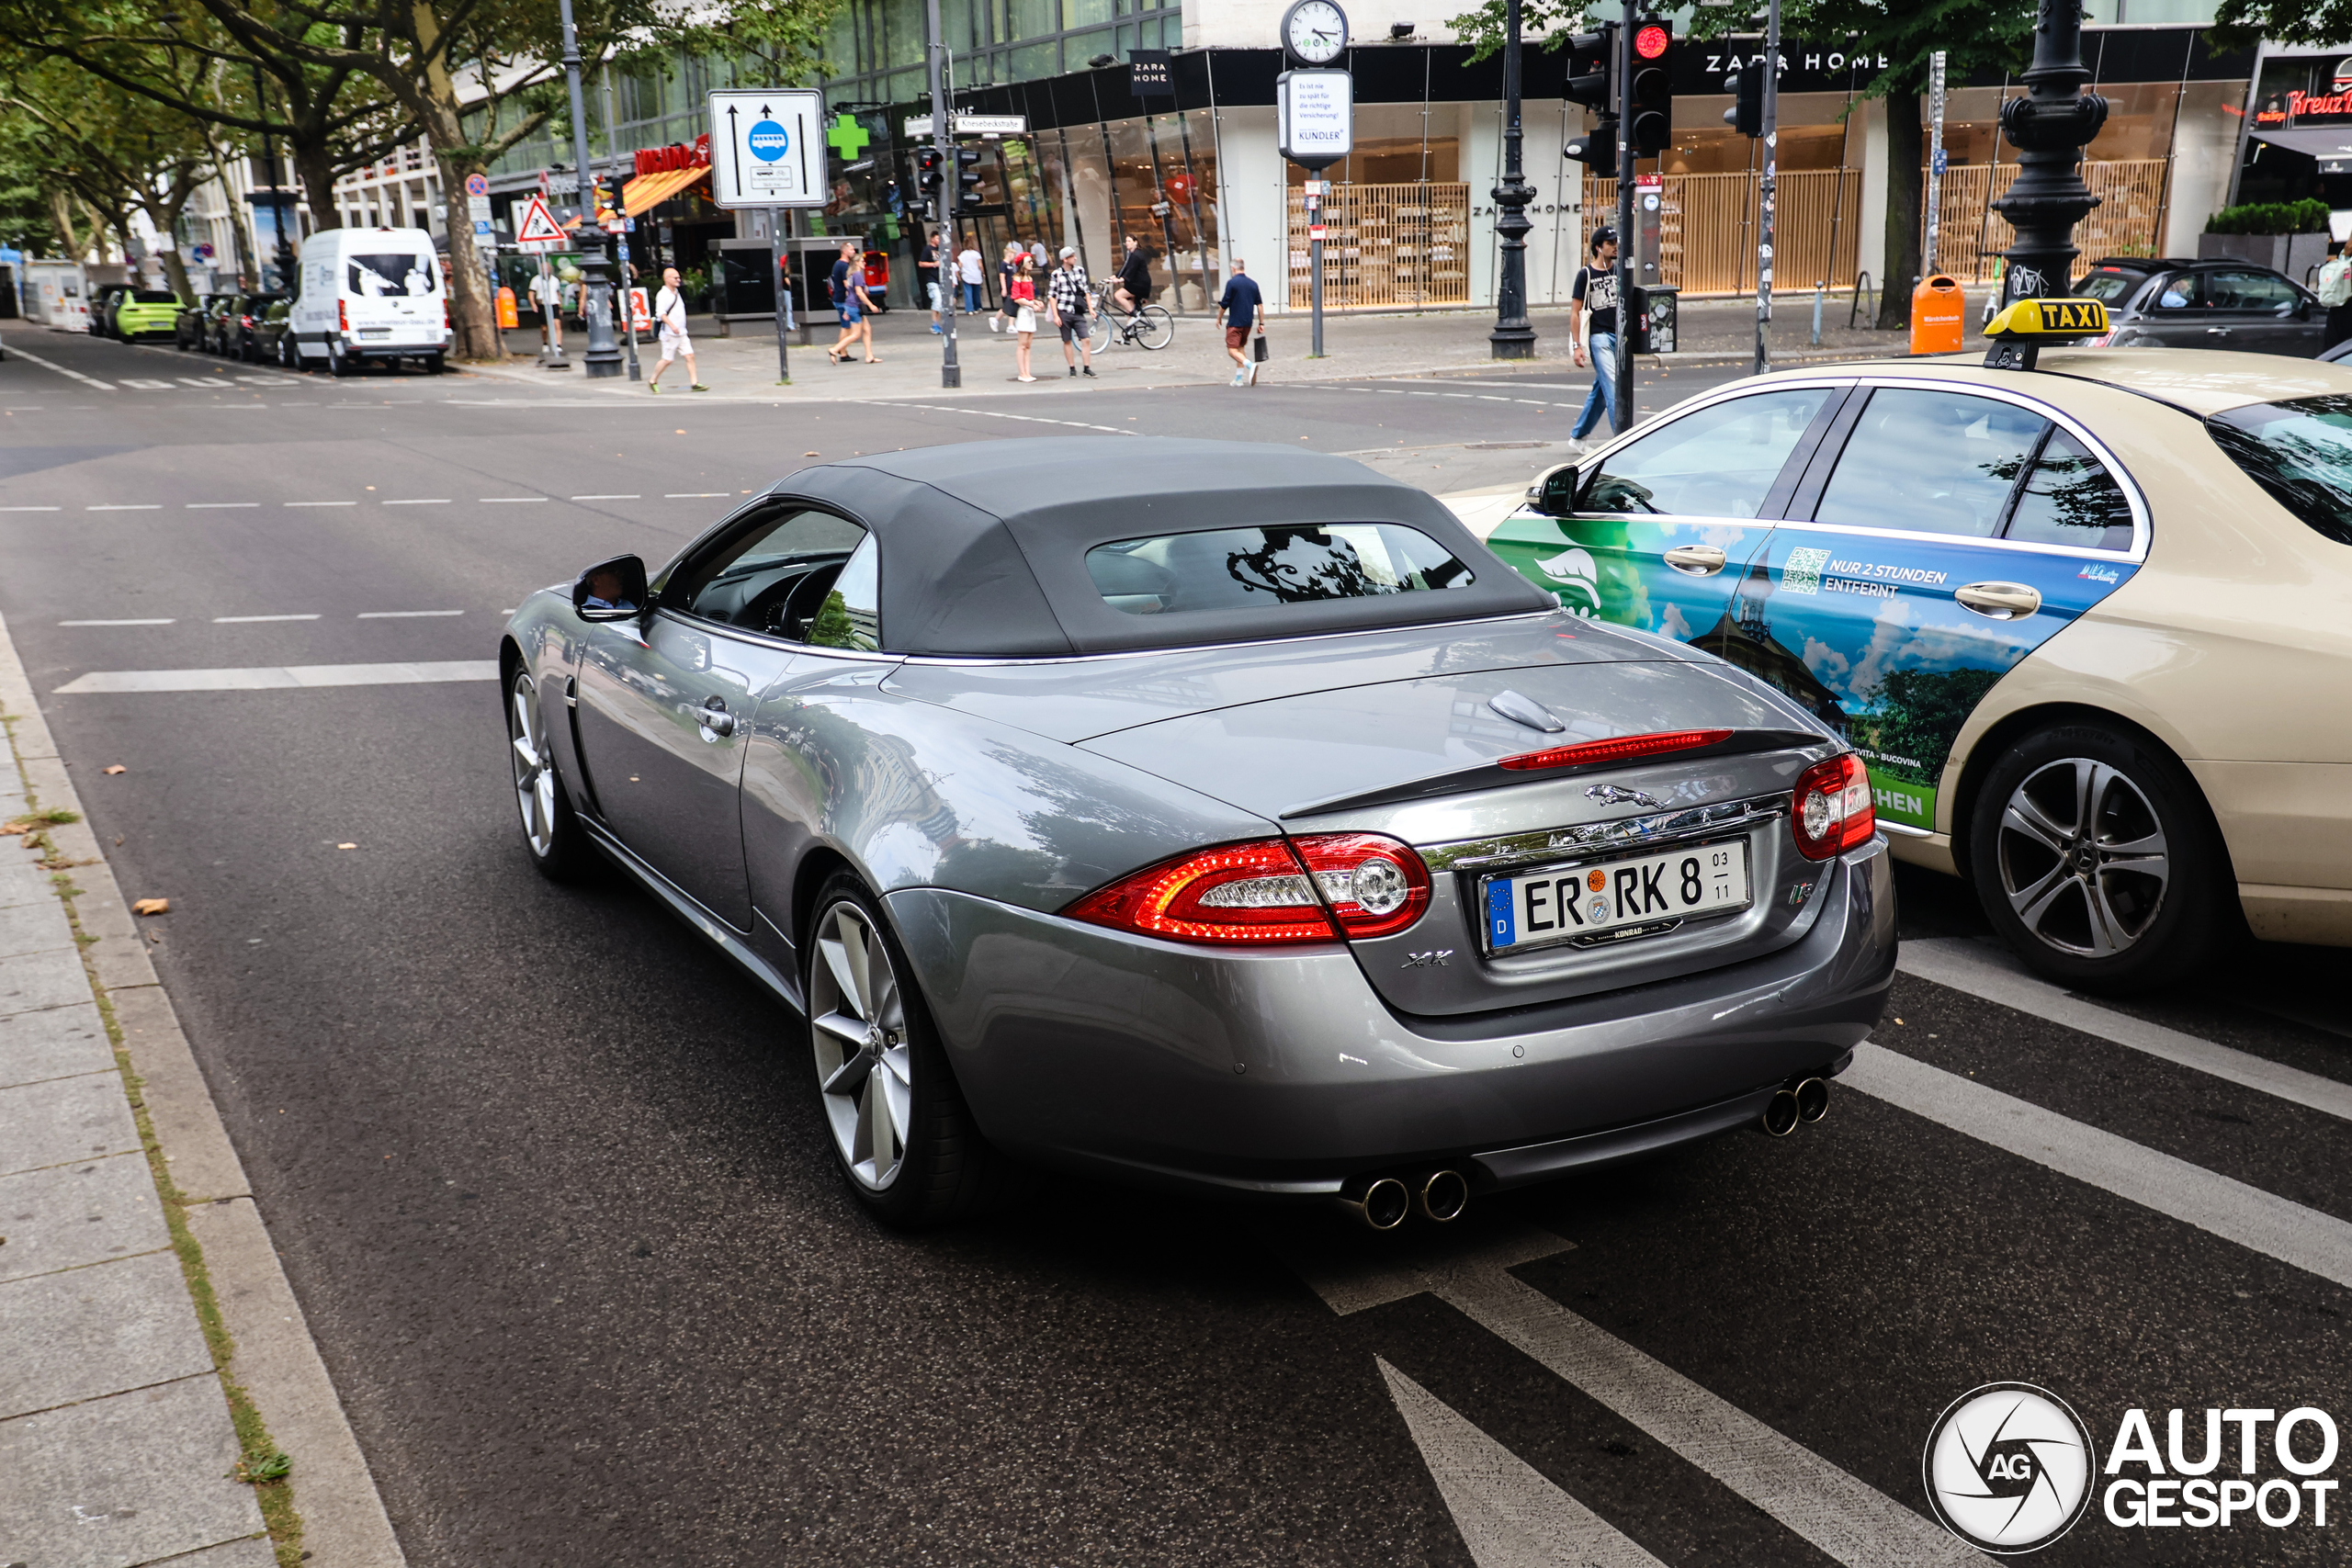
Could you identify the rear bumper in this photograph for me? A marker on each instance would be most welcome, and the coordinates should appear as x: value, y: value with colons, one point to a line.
x: 1284, y: 1072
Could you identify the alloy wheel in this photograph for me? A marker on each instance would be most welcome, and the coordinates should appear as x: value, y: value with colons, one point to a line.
x: 865, y: 1064
x: 2082, y: 857
x: 534, y: 775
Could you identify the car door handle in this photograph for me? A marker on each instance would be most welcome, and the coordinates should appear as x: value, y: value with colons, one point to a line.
x: 1698, y: 560
x: 718, y: 721
x: 1999, y: 601
x: 2217, y: 331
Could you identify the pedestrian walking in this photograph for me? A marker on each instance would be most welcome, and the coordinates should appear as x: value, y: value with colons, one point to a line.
x: 1006, y: 265
x: 1237, y: 308
x: 670, y: 317
x: 2335, y: 291
x: 546, y: 294
x: 927, y: 262
x: 854, y: 305
x: 1021, y: 297
x: 967, y: 265
x: 1070, y: 290
x: 1592, y: 306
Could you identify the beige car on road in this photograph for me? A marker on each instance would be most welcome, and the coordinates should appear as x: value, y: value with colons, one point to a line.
x: 2089, y: 624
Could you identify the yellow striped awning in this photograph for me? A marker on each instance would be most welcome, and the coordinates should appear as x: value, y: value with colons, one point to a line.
x: 648, y: 191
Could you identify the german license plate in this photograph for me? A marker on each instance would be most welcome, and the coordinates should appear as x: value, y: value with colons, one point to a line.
x: 1593, y: 904
x: 373, y: 333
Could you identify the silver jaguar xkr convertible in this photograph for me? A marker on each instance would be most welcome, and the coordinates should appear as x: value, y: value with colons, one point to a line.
x: 1210, y: 815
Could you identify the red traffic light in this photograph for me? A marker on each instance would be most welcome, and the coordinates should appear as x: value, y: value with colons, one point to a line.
x: 1651, y: 41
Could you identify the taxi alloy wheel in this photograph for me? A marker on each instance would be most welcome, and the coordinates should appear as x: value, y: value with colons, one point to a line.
x: 2094, y: 857
x: 901, y: 1133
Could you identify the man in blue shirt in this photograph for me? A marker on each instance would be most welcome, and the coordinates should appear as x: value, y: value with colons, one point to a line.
x: 1237, y: 308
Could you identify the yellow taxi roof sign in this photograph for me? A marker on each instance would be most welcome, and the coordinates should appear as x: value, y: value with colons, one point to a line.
x: 2032, y: 319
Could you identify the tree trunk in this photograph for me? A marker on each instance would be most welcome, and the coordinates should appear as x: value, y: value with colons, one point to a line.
x: 1902, y: 211
x: 175, y: 273
x: 315, y: 167
x: 473, y: 312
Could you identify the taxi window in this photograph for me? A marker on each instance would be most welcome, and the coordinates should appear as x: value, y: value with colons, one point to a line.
x: 1265, y: 567
x: 2301, y: 452
x: 1718, y: 462
x: 1931, y: 463
x: 2070, y: 498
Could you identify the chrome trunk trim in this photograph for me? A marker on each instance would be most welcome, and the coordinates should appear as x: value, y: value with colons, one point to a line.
x: 1552, y: 843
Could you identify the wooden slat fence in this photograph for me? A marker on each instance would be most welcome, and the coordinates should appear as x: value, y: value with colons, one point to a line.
x: 1386, y: 246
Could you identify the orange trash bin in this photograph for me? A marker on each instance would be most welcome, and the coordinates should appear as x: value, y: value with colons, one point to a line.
x: 1937, y: 310
x: 506, y: 316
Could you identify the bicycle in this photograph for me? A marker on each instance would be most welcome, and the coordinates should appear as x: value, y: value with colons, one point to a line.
x: 1149, y: 326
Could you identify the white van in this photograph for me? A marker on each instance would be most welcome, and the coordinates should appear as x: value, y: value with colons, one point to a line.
x: 56, y: 294
x: 371, y: 294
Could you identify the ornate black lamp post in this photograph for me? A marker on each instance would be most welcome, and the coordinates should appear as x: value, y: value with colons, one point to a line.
x: 1512, y: 338
x: 2049, y: 128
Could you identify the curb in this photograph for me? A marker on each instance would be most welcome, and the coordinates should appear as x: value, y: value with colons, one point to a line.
x: 277, y: 1362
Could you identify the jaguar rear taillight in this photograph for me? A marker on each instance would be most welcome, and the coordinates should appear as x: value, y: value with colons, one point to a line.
x: 1320, y: 887
x: 1830, y: 809
x: 1618, y: 749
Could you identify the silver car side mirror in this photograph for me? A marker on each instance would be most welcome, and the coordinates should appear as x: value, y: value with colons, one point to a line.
x: 611, y: 591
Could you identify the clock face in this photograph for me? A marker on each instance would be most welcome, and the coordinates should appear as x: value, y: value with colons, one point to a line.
x: 1315, y: 31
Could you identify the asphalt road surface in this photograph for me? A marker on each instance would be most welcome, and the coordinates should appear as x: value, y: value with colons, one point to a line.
x: 553, y: 1185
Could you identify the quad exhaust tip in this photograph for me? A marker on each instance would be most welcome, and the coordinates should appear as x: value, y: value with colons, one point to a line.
x: 1806, y: 1100
x: 1439, y: 1196
x: 1813, y: 1100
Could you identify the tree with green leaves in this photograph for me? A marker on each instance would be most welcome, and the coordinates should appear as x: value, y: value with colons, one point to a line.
x: 2242, y: 23
x: 1976, y: 35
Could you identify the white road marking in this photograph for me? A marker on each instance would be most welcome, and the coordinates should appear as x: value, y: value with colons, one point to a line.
x: 695, y: 495
x: 2261, y: 1222
x: 218, y: 506
x: 148, y: 386
x: 1022, y: 417
x: 318, y: 503
x: 1849, y: 1520
x: 129, y: 506
x: 215, y: 384
x: 279, y: 677
x: 1991, y: 975
x: 29, y: 508
x: 1509, y: 1514
x: 51, y: 364
x: 247, y: 620
x: 507, y: 499
x: 164, y: 622
x: 403, y: 615
x: 610, y: 498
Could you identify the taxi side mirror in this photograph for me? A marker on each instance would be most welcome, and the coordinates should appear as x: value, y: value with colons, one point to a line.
x: 611, y: 591
x: 1554, y: 493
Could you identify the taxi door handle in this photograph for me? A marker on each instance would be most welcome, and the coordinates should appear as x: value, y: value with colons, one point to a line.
x: 1698, y: 560
x: 2000, y: 600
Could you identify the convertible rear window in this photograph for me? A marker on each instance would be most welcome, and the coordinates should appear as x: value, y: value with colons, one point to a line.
x: 2301, y: 451
x: 1263, y: 568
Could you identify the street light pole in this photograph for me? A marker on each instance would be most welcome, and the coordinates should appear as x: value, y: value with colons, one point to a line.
x: 2049, y: 128
x: 951, y: 178
x: 627, y: 314
x: 1624, y: 74
x: 603, y: 356
x: 1513, y: 337
x: 1768, y: 195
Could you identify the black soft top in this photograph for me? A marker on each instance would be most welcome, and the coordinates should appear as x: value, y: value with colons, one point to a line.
x: 983, y: 545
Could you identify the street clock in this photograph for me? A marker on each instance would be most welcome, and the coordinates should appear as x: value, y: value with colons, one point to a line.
x: 1315, y: 32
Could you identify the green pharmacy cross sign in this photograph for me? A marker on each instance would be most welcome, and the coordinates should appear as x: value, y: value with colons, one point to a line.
x: 846, y: 136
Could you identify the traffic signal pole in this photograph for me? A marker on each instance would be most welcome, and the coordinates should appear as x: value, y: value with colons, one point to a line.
x: 942, y: 258
x: 1624, y: 74
x: 1765, y: 197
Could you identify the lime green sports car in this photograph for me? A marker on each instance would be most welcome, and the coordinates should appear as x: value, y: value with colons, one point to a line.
x: 146, y: 312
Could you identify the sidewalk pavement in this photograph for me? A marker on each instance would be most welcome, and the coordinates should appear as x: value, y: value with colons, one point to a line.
x: 117, y: 1444
x: 743, y: 365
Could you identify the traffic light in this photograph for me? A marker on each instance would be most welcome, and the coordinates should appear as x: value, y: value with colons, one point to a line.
x: 1649, y: 98
x: 928, y: 178
x: 1591, y: 65
x: 968, y: 182
x: 1747, y: 86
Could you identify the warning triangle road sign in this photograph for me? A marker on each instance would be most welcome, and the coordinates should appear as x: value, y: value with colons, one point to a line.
x: 538, y: 225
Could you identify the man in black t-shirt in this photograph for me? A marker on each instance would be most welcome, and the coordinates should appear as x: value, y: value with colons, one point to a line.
x: 1595, y: 295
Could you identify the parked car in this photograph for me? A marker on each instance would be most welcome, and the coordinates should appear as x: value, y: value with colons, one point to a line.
x: 1250, y: 829
x: 146, y: 312
x: 192, y: 328
x: 242, y: 323
x: 273, y: 335
x: 101, y: 323
x: 2218, y: 303
x: 371, y: 294
x: 2089, y: 626
x: 216, y: 323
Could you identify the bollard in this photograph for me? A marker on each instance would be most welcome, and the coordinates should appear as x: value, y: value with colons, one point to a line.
x: 1937, y: 306
x: 1819, y: 289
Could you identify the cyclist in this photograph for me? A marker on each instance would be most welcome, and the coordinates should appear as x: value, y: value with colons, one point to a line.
x: 1132, y: 290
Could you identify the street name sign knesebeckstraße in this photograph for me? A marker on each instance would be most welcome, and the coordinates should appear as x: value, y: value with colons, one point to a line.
x: 918, y: 125
x: 1314, y: 113
x: 766, y: 148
